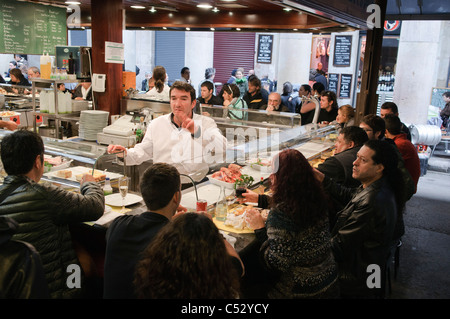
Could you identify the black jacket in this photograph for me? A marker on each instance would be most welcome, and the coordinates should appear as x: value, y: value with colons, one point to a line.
x: 21, y: 272
x: 43, y: 213
x: 363, y: 233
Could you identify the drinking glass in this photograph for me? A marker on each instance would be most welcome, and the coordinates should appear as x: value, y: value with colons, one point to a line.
x: 123, y: 188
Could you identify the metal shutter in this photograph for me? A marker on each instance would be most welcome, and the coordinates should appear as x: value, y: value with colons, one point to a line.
x: 233, y: 50
x: 169, y: 52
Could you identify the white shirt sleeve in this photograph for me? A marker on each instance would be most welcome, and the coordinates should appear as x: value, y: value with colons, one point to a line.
x: 141, y: 152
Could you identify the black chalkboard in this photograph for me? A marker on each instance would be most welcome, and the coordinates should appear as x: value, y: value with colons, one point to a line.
x: 333, y: 82
x: 342, y: 50
x: 29, y: 28
x: 345, y: 88
x: 265, y: 44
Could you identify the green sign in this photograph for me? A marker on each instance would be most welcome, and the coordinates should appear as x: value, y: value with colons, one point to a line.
x: 28, y: 28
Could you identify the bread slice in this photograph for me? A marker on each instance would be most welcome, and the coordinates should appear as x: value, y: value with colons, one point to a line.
x: 64, y: 173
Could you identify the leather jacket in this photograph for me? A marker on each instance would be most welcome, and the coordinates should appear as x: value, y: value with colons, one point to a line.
x: 363, y: 233
x: 43, y: 213
x: 21, y: 272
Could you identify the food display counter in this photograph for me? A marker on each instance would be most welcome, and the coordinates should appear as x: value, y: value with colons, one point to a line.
x: 16, y: 104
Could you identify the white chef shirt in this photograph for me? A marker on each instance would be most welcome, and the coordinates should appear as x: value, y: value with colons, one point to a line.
x: 165, y: 142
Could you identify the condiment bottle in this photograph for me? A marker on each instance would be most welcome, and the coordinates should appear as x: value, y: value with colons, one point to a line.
x: 107, y: 189
x: 222, y: 206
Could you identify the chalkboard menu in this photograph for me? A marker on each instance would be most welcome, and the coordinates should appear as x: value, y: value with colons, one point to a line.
x: 436, y: 97
x: 345, y: 88
x: 333, y: 82
x: 265, y: 43
x: 342, y: 50
x: 28, y: 28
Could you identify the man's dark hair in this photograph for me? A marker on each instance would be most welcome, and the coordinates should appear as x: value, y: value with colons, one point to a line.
x: 209, y: 72
x: 19, y: 151
x: 287, y: 88
x: 254, y: 80
x: 184, y: 70
x: 319, y: 87
x: 446, y: 94
x: 355, y: 134
x: 390, y: 106
x: 331, y: 98
x: 183, y: 86
x: 208, y: 85
x: 393, y: 124
x: 376, y: 123
x: 158, y: 185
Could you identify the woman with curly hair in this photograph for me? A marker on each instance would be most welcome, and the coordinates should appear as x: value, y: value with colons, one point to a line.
x: 295, y: 239
x: 189, y: 259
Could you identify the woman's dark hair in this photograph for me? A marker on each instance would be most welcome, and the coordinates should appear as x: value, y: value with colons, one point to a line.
x: 319, y: 87
x: 386, y: 155
x: 18, y: 74
x: 158, y: 185
x: 187, y: 260
x: 296, y: 191
x: 306, y: 87
x: 159, y: 75
x: 19, y: 151
x: 232, y: 89
x: 183, y: 86
x: 287, y: 88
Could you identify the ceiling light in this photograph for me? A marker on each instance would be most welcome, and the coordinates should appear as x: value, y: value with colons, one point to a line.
x: 204, y: 6
x: 72, y: 2
x: 212, y: 29
x: 215, y: 9
x: 287, y: 9
x: 137, y: 7
x: 238, y: 29
x: 164, y: 28
x: 152, y: 9
x: 188, y: 29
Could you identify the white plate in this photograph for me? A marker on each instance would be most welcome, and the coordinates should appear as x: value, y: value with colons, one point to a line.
x: 116, y: 199
x: 81, y: 170
x: 217, y: 182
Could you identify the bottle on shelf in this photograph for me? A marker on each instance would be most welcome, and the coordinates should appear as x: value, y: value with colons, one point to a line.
x: 107, y: 189
x: 71, y: 64
x: 45, y: 66
x: 222, y: 206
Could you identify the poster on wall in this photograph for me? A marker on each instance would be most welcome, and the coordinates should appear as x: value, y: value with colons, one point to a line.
x: 342, y: 50
x: 265, y: 44
x: 320, y: 54
x: 333, y: 82
x: 345, y: 88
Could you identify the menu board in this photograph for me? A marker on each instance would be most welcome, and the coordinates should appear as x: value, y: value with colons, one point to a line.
x: 29, y: 28
x: 333, y: 82
x: 345, y: 88
x: 265, y: 43
x: 342, y: 50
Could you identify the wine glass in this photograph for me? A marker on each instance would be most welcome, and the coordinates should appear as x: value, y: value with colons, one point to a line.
x: 123, y: 188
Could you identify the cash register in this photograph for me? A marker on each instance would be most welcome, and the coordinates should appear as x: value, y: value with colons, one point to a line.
x: 123, y: 130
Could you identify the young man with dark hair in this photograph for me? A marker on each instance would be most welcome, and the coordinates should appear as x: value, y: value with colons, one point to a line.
x: 44, y: 212
x: 207, y: 95
x: 391, y: 108
x: 405, y: 147
x: 374, y: 126
x: 254, y: 97
x: 129, y: 235
x: 185, y: 75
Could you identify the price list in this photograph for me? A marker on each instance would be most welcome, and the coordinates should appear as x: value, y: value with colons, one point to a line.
x: 28, y: 28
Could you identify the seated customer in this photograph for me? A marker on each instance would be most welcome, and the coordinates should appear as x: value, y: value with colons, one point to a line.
x: 207, y: 95
x: 391, y: 108
x: 189, y: 259
x: 129, y: 235
x: 17, y: 78
x: 340, y: 166
x: 346, y: 116
x: 44, y: 212
x: 364, y: 231
x: 295, y: 239
x: 254, y: 97
x: 275, y: 104
x: 405, y: 147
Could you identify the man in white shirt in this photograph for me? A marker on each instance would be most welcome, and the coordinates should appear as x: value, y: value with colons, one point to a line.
x: 83, y: 92
x: 182, y: 138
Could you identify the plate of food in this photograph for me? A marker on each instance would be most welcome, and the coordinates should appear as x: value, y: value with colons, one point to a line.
x: 55, y: 163
x: 226, y: 176
x: 76, y: 173
x: 235, y: 221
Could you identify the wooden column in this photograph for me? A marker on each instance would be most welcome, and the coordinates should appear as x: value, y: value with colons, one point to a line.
x: 107, y: 25
x: 367, y: 99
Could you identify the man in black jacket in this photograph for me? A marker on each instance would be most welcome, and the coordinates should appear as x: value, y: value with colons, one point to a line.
x: 256, y: 97
x: 363, y: 234
x: 44, y: 212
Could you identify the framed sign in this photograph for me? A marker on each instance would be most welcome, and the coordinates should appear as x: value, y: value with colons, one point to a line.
x: 265, y: 45
x: 333, y: 82
x: 342, y: 50
x: 345, y: 88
